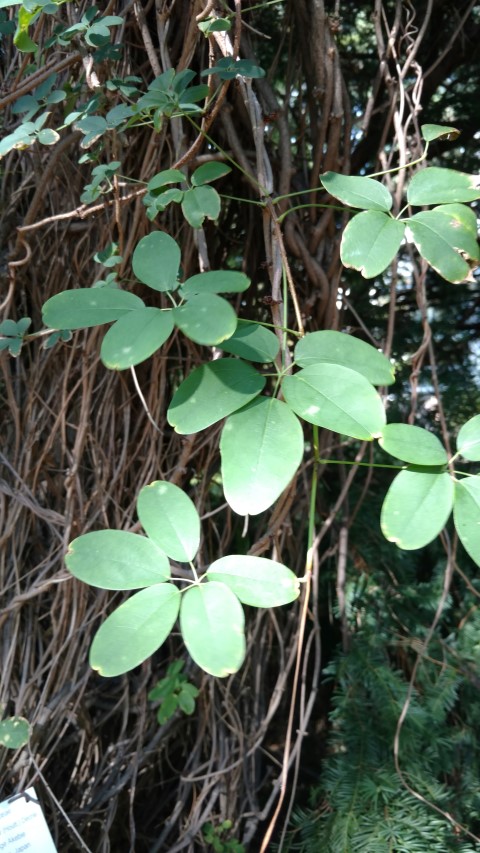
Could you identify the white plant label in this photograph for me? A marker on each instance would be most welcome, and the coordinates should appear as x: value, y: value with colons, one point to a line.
x: 23, y: 828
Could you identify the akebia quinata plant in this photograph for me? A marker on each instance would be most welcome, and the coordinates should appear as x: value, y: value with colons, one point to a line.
x: 269, y: 403
x: 209, y: 605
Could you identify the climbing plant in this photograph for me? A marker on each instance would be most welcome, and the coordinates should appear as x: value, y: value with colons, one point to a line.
x: 246, y: 366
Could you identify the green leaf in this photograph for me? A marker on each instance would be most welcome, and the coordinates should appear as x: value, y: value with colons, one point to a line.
x: 413, y: 444
x: 217, y: 281
x: 227, y: 68
x: 214, y: 25
x: 366, y: 193
x: 170, y: 519
x: 206, y: 319
x: 48, y: 136
x: 116, y: 559
x: 167, y: 708
x: 252, y: 342
x: 468, y: 439
x: 135, y: 630
x: 212, y: 625
x: 212, y: 392
x: 261, y: 448
x: 200, y: 203
x: 135, y: 337
x: 14, y: 732
x: 438, y: 131
x: 336, y: 398
x: 256, y: 580
x: 463, y: 220
x: 466, y: 515
x: 186, y: 700
x: 417, y: 507
x: 444, y: 243
x: 163, y: 179
x: 156, y: 261
x: 209, y: 172
x: 370, y: 242
x: 442, y: 186
x: 86, y: 307
x: 329, y: 347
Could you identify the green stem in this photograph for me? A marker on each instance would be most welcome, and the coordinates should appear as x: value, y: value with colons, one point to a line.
x: 361, y: 464
x: 314, y: 488
x: 309, y: 206
x: 194, y: 571
x: 399, y: 168
x: 243, y: 200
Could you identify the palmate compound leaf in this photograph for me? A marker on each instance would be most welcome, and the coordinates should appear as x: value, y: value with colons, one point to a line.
x: 445, y: 242
x: 468, y: 439
x: 116, y: 559
x: 434, y: 185
x: 413, y: 444
x: 255, y: 580
x: 156, y: 261
x: 261, y: 448
x: 417, y: 506
x: 370, y: 242
x: 14, y: 732
x: 466, y: 515
x: 135, y: 630
x: 206, y: 319
x: 212, y: 623
x: 135, y: 337
x: 366, y: 193
x: 339, y: 348
x: 336, y: 398
x: 87, y: 307
x: 170, y: 519
x: 212, y: 392
x: 252, y: 342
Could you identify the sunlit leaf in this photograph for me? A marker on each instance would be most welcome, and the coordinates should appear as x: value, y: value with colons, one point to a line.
x: 444, y: 243
x: 338, y: 348
x: 413, y: 444
x: 170, y: 519
x: 439, y: 131
x: 252, y: 342
x: 417, y: 507
x: 434, y: 185
x: 212, y: 392
x: 261, y: 449
x: 156, y: 261
x: 116, y: 559
x: 370, y: 242
x: 206, y: 319
x: 366, y: 193
x: 86, y: 307
x: 468, y: 439
x: 256, y: 580
x: 135, y: 337
x: 135, y: 630
x: 212, y: 625
x: 466, y: 514
x: 336, y: 398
